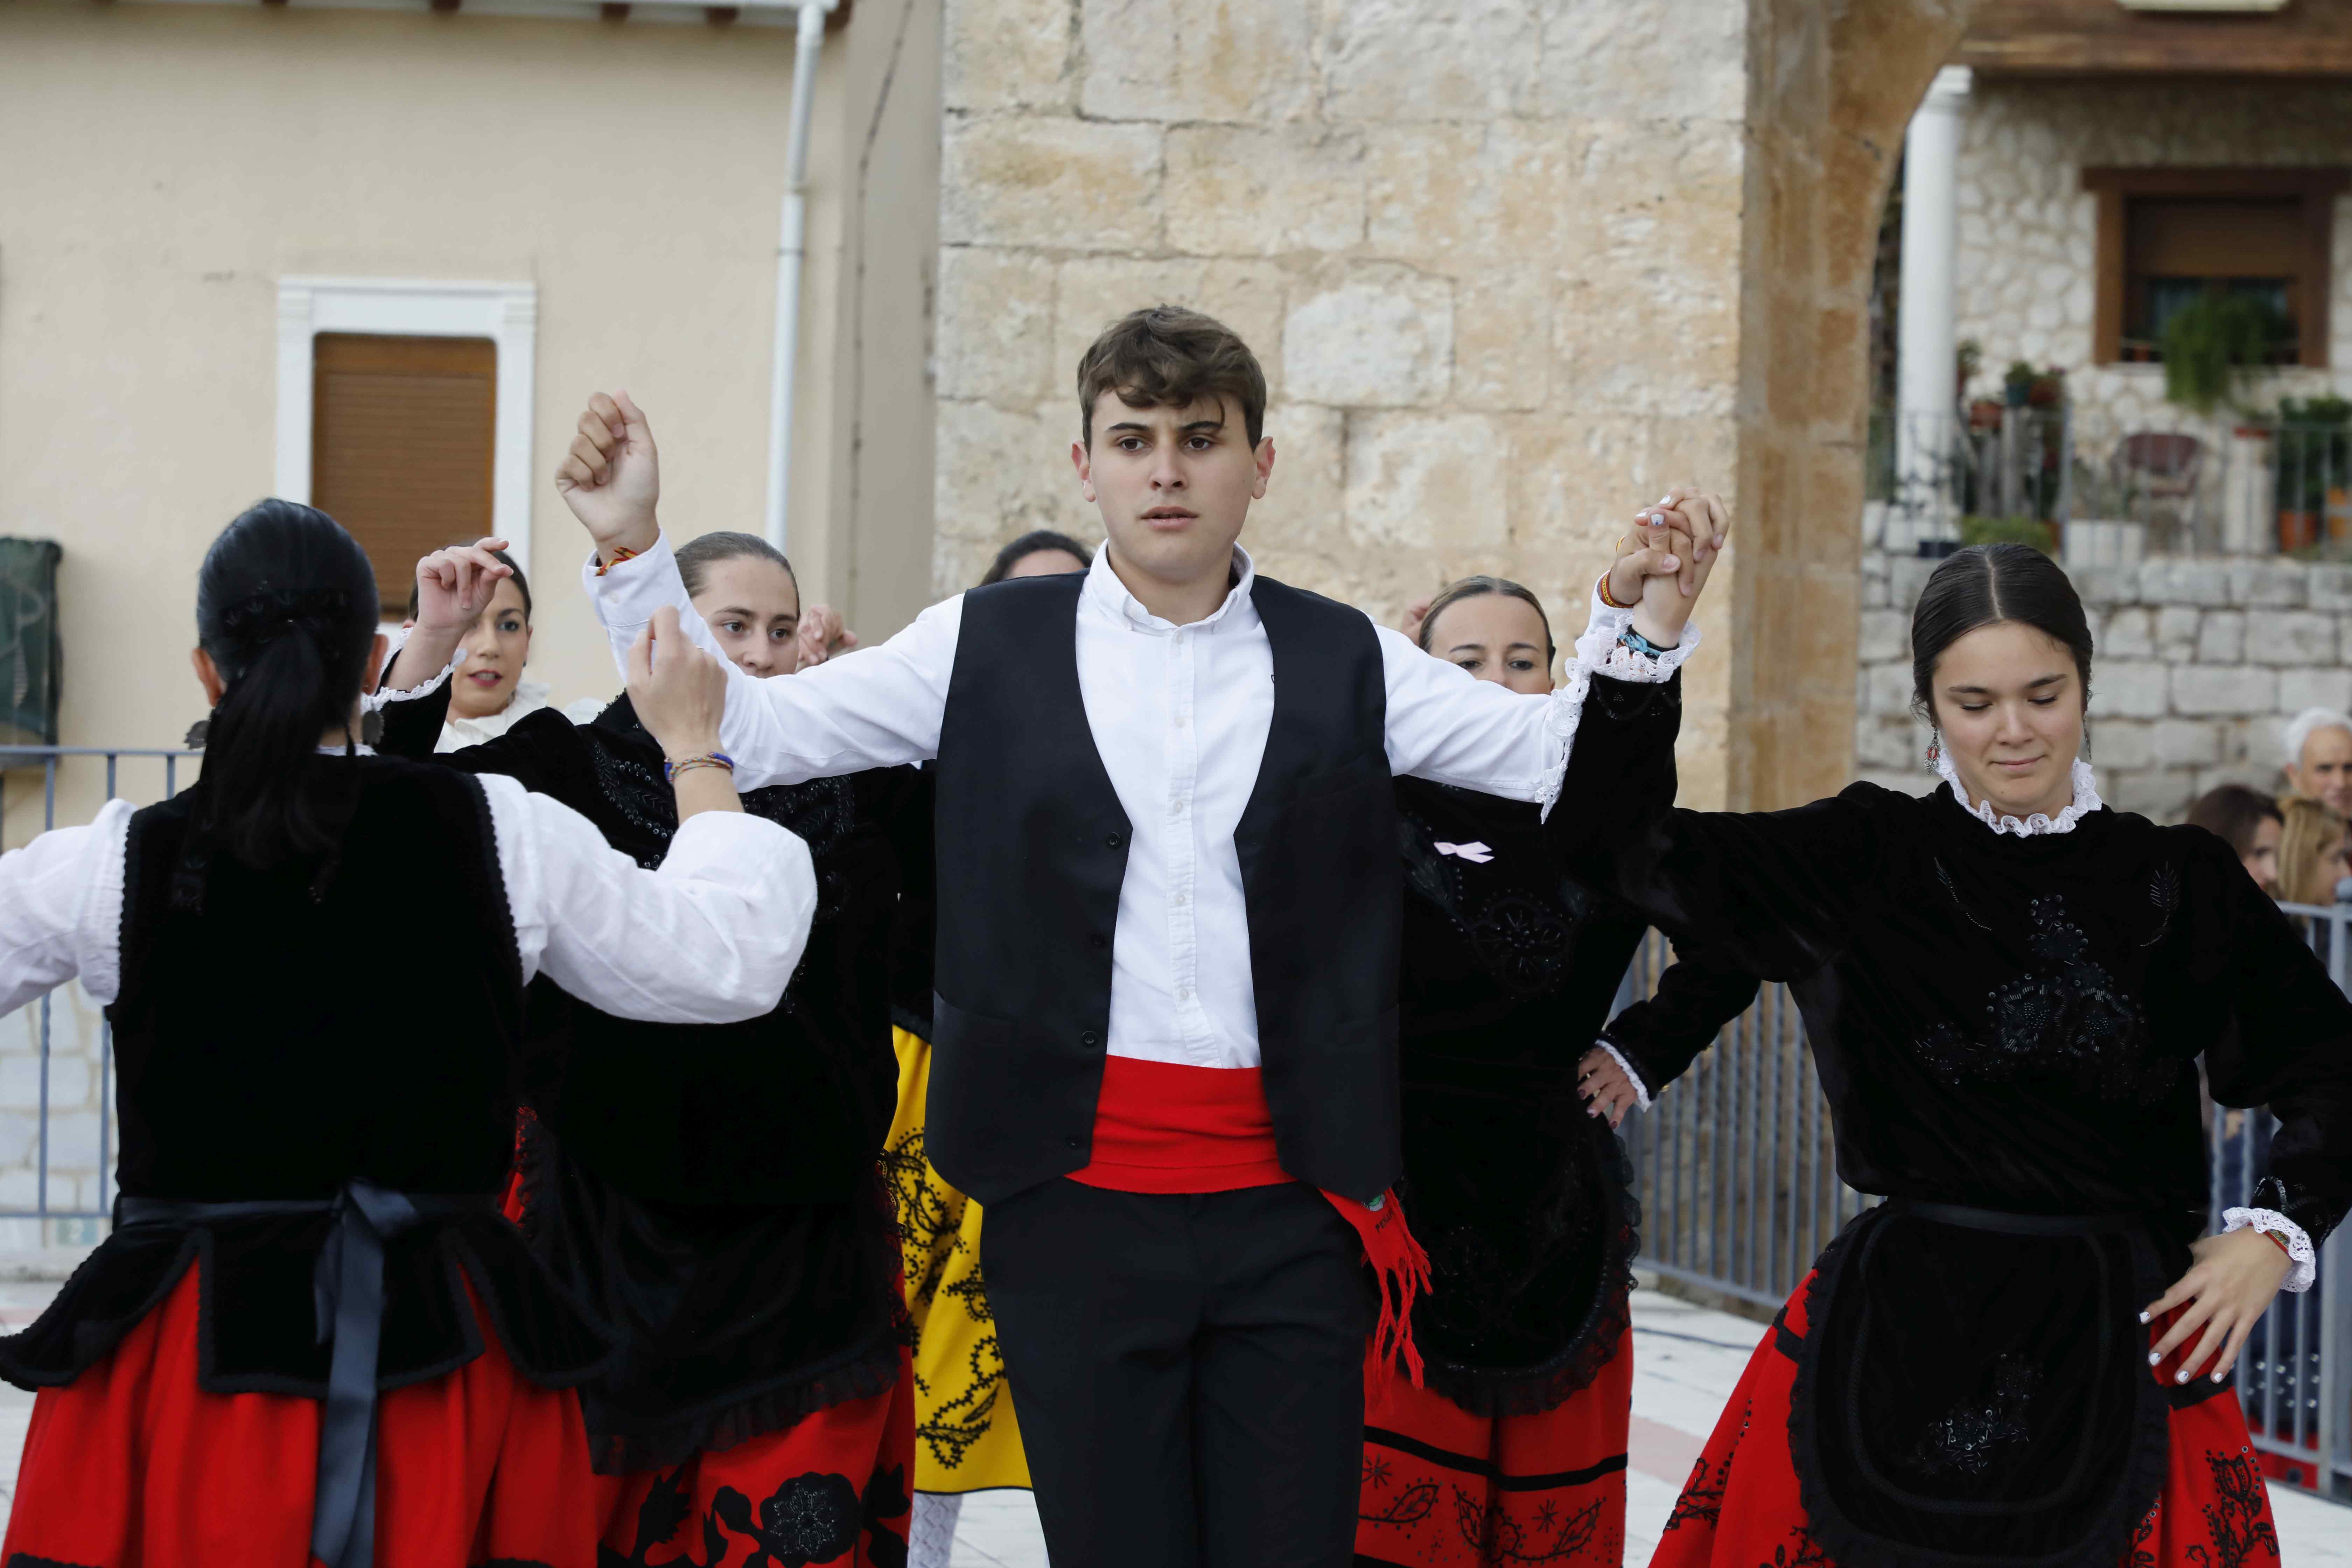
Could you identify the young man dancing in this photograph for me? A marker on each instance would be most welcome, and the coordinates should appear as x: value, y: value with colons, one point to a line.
x: 1168, y: 908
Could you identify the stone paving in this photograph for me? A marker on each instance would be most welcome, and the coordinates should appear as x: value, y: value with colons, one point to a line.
x: 1686, y: 1361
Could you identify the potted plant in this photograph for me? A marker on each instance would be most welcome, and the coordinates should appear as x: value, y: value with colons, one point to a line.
x: 2214, y: 345
x: 2017, y: 382
x: 2310, y: 471
x: 1967, y: 361
x: 2048, y: 389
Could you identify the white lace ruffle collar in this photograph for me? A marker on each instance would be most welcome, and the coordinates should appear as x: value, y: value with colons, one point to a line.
x: 2087, y: 801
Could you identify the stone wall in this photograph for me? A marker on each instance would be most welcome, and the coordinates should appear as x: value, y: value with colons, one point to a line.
x: 2027, y: 231
x: 1494, y: 281
x: 2200, y: 662
x: 1514, y: 267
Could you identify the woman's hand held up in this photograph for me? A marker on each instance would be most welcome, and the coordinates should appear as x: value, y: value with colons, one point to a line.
x: 679, y: 690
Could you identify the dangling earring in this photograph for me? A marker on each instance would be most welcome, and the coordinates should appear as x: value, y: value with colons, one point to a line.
x: 1934, y: 749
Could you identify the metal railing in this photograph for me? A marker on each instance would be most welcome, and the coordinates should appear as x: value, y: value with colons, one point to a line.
x: 2037, y: 476
x: 1735, y: 1169
x: 89, y: 1178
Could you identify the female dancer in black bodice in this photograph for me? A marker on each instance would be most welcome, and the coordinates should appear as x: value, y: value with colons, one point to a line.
x: 2007, y: 986
x: 714, y: 1191
x: 1514, y: 1448
x: 311, y: 1337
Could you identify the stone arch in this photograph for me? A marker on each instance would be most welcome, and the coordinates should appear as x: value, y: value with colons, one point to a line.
x: 1830, y: 89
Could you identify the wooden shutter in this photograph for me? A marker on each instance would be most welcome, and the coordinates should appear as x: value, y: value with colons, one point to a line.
x: 403, y: 433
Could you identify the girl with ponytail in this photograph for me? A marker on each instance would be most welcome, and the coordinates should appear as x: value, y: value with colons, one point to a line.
x: 309, y: 1295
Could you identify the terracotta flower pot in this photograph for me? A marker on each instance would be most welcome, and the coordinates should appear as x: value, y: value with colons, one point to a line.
x: 2297, y: 530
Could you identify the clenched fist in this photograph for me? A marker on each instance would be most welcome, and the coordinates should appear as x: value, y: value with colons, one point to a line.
x: 611, y: 477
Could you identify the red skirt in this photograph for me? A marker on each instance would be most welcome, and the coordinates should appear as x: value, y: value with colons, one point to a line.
x: 831, y: 1488
x: 1442, y: 1487
x: 1740, y: 1505
x: 133, y: 1464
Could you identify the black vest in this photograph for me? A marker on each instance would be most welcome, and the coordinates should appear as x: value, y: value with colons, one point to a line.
x: 278, y: 1046
x: 1031, y: 847
x: 275, y: 1044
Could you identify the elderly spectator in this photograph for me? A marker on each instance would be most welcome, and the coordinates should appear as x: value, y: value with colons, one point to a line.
x: 2250, y: 823
x: 2319, y: 758
x: 2312, y: 852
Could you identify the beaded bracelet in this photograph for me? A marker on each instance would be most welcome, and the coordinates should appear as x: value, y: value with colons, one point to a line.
x: 670, y: 770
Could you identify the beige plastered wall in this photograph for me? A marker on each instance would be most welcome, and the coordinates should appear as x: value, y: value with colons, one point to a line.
x: 162, y: 167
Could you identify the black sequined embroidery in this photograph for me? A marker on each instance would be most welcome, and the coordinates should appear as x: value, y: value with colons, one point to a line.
x: 2066, y: 1015
x: 1969, y: 1436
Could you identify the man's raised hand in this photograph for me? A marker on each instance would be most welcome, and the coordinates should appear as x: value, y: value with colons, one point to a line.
x: 611, y: 477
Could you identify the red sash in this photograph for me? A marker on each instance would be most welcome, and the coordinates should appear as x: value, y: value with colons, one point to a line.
x: 1164, y: 1127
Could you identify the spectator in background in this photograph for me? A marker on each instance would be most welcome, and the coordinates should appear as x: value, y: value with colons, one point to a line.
x: 1041, y: 552
x: 2312, y: 852
x: 2248, y: 822
x: 2319, y: 758
x: 488, y: 693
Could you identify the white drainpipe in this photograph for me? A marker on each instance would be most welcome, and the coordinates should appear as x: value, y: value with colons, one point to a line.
x: 792, y: 251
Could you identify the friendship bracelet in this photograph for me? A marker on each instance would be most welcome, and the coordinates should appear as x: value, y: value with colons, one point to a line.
x: 620, y: 553
x: 1639, y: 644
x: 1602, y: 588
x: 699, y: 760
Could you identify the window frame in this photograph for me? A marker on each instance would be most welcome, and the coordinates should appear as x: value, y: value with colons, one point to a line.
x: 2316, y: 188
x: 506, y: 313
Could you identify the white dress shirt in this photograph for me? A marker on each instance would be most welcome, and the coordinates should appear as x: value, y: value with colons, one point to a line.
x: 710, y: 938
x: 1180, y: 716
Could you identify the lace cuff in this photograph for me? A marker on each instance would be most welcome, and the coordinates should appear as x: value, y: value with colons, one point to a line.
x: 2298, y: 1243
x: 1641, y: 1091
x: 1598, y: 652
x: 383, y: 696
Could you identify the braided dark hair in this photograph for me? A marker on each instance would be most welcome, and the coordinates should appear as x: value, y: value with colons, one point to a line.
x: 286, y: 605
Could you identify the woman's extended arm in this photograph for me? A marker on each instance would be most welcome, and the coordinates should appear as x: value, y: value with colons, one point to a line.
x: 710, y: 937
x: 61, y: 910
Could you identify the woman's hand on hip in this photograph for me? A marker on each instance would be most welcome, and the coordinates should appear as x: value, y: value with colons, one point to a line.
x: 1606, y: 1088
x: 2228, y: 1288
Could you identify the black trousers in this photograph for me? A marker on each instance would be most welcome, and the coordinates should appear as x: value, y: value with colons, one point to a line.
x: 1188, y: 1371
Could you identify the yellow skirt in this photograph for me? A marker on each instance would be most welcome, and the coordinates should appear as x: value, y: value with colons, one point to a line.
x: 965, y: 1438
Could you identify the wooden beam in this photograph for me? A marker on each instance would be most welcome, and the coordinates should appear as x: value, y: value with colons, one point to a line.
x: 2099, y: 37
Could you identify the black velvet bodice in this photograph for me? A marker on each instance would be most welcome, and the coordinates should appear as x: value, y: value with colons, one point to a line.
x: 1520, y: 1195
x: 256, y: 1063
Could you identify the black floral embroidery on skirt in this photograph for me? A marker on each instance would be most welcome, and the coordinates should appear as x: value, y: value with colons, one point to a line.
x: 813, y: 1517
x: 1497, y: 1537
x: 1702, y: 1498
x: 2237, y: 1520
x: 1807, y: 1554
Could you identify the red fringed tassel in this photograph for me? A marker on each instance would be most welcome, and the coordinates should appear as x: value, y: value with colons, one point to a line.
x: 1403, y: 1270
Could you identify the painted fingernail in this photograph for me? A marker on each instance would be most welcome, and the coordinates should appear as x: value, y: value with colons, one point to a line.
x: 2152, y: 1357
x: 2143, y: 1317
x: 2217, y: 1377
x: 2180, y: 1376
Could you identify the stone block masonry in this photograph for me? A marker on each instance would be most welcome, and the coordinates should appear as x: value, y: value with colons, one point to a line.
x: 2200, y: 664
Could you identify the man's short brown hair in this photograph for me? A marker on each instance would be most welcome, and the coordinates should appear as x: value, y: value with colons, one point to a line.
x: 1168, y: 357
